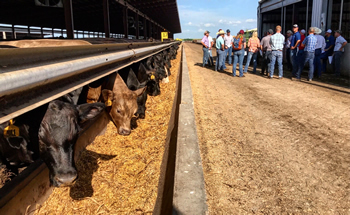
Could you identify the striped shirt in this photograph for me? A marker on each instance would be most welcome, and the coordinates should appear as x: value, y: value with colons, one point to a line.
x: 310, y: 43
x: 277, y: 42
x: 253, y: 44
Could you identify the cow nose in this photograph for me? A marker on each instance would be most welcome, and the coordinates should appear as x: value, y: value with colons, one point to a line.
x: 66, y: 179
x: 124, y: 131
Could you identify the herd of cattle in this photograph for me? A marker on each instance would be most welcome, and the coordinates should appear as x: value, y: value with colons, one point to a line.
x: 51, y: 131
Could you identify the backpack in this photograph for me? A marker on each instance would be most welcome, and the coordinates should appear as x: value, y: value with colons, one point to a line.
x: 237, y: 43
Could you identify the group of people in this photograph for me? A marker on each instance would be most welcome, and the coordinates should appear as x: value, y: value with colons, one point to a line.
x: 300, y: 49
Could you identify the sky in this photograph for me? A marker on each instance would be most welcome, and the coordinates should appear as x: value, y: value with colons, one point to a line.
x: 196, y: 16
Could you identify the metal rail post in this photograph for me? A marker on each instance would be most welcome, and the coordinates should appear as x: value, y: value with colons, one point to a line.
x: 125, y: 22
x: 106, y: 18
x: 68, y: 17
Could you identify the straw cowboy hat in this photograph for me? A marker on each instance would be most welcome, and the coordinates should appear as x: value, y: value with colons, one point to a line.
x: 317, y: 30
x: 221, y: 32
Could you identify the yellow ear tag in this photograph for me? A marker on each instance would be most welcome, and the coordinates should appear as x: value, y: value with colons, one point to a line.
x: 152, y: 77
x: 11, y: 130
x: 108, y: 103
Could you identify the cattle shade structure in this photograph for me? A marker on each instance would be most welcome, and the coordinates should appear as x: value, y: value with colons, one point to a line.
x: 324, y: 14
x: 145, y: 18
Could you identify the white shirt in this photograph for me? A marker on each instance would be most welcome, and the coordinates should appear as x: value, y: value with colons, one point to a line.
x: 210, y: 40
x: 228, y: 40
x: 321, y: 42
x: 338, y: 43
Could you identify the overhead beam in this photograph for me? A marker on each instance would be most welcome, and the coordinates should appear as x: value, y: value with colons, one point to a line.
x: 68, y: 17
x: 144, y: 28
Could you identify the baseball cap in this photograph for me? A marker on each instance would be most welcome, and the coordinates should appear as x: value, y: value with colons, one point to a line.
x: 241, y: 32
x: 289, y: 32
x: 270, y: 31
x: 295, y: 26
x: 329, y: 31
x: 206, y: 32
x: 303, y: 31
x: 228, y: 31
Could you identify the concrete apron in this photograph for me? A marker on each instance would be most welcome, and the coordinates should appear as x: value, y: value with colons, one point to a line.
x: 189, y: 188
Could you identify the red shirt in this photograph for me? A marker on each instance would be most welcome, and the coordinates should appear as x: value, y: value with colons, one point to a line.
x: 301, y: 41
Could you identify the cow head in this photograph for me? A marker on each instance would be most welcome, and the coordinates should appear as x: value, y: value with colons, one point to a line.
x: 58, y: 133
x: 123, y: 104
x: 152, y: 77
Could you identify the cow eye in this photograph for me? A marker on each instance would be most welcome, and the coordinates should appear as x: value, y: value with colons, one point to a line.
x: 118, y: 111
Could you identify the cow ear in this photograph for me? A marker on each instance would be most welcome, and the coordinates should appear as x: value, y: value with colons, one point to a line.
x: 89, y: 111
x: 132, y: 82
x: 142, y: 73
x: 107, y: 95
x: 140, y: 91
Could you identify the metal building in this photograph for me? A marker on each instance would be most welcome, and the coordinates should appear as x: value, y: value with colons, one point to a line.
x: 325, y: 14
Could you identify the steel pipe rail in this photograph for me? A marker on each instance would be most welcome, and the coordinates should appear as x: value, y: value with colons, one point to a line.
x: 17, y: 80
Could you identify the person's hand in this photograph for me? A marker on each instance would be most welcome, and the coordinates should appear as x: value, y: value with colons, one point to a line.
x: 341, y: 49
x: 209, y: 48
x: 292, y: 48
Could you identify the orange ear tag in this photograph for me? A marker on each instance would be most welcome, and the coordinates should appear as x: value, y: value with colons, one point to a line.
x: 108, y: 103
x: 152, y: 77
x: 11, y: 130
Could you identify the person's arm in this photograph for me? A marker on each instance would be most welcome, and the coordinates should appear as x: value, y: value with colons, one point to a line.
x: 211, y: 44
x: 323, y: 43
x: 296, y: 45
x: 223, y: 47
x: 249, y: 43
x: 245, y: 43
x: 303, y: 44
x: 343, y: 45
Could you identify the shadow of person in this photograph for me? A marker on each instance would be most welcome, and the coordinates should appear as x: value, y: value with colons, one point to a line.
x: 86, y: 166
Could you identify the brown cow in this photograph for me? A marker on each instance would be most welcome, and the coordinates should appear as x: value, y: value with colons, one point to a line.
x: 120, y: 101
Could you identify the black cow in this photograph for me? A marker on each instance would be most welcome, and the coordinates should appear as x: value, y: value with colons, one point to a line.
x: 50, y: 131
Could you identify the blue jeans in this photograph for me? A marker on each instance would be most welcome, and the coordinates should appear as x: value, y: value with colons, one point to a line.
x: 224, y: 59
x: 266, y: 62
x: 289, y: 59
x: 250, y: 55
x: 238, y: 57
x: 324, y: 58
x: 205, y: 55
x: 317, y: 62
x: 336, y: 62
x: 210, y: 58
x: 295, y: 55
x: 219, y: 59
x: 229, y: 52
x: 276, y: 55
x: 307, y: 57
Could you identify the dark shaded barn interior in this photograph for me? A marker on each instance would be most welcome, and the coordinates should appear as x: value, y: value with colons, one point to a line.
x: 138, y: 19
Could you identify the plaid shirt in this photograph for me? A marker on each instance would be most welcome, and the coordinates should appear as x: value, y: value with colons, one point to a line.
x: 277, y: 42
x: 310, y: 43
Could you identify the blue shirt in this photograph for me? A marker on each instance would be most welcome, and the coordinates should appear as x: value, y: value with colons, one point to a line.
x: 330, y: 41
x: 219, y: 42
x: 310, y: 43
x: 295, y: 38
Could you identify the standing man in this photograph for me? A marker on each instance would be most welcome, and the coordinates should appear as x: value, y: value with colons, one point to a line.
x: 287, y: 45
x: 330, y: 42
x: 294, y: 50
x: 205, y: 43
x: 309, y: 54
x: 266, y: 49
x: 220, y: 50
x: 228, y: 46
x: 340, y: 43
x: 320, y: 46
x: 211, y: 43
x: 276, y: 42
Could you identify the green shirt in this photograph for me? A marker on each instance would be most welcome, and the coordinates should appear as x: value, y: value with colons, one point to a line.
x: 219, y: 42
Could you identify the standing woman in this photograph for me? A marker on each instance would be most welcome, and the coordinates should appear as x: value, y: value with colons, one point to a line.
x: 238, y: 46
x: 253, y: 44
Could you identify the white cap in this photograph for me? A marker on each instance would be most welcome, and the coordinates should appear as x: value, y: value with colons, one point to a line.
x: 329, y: 31
x: 303, y: 31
